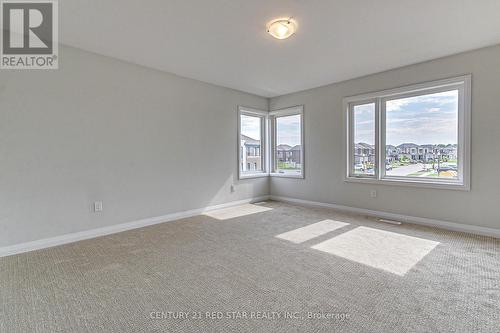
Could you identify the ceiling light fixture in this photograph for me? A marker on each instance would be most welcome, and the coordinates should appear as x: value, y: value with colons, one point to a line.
x: 282, y: 28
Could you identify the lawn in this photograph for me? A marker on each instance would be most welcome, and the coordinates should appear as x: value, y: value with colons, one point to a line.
x: 287, y: 166
x: 434, y: 174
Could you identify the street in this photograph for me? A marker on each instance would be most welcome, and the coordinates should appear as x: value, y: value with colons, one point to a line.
x: 405, y: 170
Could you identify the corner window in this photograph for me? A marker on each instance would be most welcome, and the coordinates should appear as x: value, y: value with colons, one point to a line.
x: 417, y: 135
x: 251, y: 143
x: 287, y: 137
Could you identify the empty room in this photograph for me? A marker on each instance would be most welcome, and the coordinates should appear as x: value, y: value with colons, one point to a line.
x: 250, y: 166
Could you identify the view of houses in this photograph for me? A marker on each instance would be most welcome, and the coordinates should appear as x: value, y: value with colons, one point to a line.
x: 409, y: 160
x: 288, y: 157
x: 250, y: 154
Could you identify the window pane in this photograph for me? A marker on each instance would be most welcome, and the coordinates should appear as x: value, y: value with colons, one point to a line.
x: 288, y: 145
x: 364, y: 139
x: 422, y: 136
x: 250, y: 143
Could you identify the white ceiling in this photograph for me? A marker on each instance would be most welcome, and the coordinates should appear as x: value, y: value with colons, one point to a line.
x: 224, y: 41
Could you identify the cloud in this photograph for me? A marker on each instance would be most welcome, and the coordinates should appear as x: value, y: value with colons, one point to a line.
x: 250, y: 126
x: 427, y: 119
x: 422, y: 131
x: 449, y: 98
x: 396, y: 105
x: 431, y: 110
x: 365, y: 122
x: 364, y: 109
x: 288, y: 130
x: 289, y: 120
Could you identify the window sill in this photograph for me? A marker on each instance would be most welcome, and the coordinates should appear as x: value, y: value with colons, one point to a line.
x: 284, y: 175
x: 443, y: 185
x: 253, y: 175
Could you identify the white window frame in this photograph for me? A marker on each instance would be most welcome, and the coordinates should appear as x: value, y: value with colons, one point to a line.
x: 273, y: 115
x: 264, y: 129
x: 460, y: 83
x: 351, y: 105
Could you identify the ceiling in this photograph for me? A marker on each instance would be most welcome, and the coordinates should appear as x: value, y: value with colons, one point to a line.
x: 225, y: 42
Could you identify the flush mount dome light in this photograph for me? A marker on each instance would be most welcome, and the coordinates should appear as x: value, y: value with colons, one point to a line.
x: 282, y: 28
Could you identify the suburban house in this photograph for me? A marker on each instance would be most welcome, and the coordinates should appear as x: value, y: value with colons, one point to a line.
x: 250, y: 154
x: 425, y: 153
x: 288, y: 154
x: 365, y: 153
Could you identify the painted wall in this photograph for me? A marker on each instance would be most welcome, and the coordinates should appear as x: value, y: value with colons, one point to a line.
x: 144, y: 142
x: 324, y: 139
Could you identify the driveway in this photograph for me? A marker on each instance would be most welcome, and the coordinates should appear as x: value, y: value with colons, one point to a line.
x: 405, y: 170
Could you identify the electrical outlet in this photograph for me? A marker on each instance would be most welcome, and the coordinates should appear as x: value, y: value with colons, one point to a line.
x: 98, y: 206
x: 232, y: 188
x: 373, y: 193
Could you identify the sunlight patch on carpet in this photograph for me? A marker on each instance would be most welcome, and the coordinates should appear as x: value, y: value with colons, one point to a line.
x: 389, y: 251
x: 237, y: 211
x: 311, y: 231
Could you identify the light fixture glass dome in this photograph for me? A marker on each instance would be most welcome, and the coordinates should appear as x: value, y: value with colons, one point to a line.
x: 282, y: 28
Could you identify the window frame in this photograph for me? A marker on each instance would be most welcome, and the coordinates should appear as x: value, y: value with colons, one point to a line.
x: 351, y: 149
x: 460, y: 83
x: 263, y: 115
x: 273, y: 116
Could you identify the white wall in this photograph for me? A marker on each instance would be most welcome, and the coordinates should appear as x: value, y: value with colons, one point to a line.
x: 148, y: 143
x: 144, y: 142
x: 325, y: 161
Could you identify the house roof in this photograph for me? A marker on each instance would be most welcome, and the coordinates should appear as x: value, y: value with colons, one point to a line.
x: 363, y: 145
x: 414, y: 145
x: 407, y: 145
x: 249, y: 140
x: 284, y: 147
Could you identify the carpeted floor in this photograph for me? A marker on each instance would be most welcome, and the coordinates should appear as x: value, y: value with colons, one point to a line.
x: 353, y: 273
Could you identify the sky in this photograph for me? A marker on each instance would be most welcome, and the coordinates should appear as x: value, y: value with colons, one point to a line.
x: 250, y: 126
x: 288, y: 129
x: 426, y: 119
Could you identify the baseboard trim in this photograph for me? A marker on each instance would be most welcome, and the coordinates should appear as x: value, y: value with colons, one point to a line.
x: 93, y: 233
x: 477, y: 230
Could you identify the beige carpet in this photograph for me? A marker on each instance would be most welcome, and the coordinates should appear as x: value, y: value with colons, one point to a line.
x: 233, y: 265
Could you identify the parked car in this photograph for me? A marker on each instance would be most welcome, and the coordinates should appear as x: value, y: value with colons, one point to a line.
x: 359, y: 167
x: 445, y: 168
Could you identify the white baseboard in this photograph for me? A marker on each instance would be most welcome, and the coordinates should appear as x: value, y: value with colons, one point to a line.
x: 87, y: 234
x: 477, y: 230
x: 77, y: 236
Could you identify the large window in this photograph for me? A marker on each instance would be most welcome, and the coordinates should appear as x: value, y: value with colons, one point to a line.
x: 287, y: 142
x: 251, y: 143
x: 417, y: 135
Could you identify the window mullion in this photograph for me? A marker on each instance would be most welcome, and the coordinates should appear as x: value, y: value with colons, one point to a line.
x: 381, y: 138
x: 377, y: 139
x: 351, y: 141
